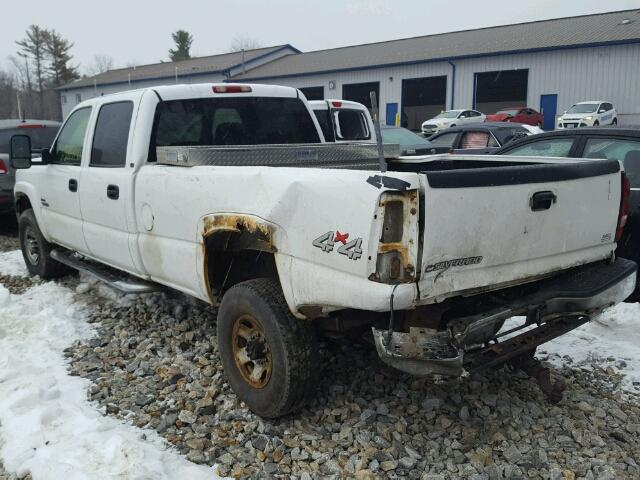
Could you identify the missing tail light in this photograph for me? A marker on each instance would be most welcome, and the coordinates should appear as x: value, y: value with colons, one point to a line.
x: 625, y: 206
x: 398, y: 240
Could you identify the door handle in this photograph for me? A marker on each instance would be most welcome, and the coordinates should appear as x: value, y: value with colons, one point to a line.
x: 113, y: 192
x: 73, y: 185
x: 542, y: 200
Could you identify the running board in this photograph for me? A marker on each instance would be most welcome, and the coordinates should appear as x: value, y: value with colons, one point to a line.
x: 121, y: 282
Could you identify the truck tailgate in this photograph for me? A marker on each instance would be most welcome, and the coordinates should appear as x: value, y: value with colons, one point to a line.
x: 500, y: 225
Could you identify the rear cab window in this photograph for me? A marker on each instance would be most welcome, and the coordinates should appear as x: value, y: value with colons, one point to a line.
x: 232, y: 121
x: 477, y: 139
x: 444, y: 140
x: 350, y: 124
x: 626, y: 151
x: 324, y: 119
x: 547, y: 147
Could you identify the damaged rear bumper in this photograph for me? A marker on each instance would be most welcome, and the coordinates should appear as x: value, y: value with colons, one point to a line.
x: 556, y: 307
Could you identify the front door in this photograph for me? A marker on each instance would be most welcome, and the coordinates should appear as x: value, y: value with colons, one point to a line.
x: 549, y: 109
x: 106, y: 184
x: 392, y: 111
x: 59, y: 199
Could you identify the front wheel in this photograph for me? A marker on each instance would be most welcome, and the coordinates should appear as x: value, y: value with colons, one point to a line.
x: 36, y: 250
x: 270, y: 357
x: 596, y: 124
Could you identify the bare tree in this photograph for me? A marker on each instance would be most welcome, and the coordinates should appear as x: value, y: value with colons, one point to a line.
x: 8, y: 96
x: 241, y: 42
x: 101, y: 63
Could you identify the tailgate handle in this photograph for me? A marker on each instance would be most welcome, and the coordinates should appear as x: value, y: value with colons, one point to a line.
x: 542, y: 200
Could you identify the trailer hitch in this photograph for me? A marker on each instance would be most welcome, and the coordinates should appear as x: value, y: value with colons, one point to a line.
x: 533, y: 367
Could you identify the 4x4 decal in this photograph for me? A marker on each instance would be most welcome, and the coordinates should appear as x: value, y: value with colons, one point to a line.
x: 327, y: 241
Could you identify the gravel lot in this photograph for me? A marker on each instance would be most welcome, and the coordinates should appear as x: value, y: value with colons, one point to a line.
x: 155, y: 363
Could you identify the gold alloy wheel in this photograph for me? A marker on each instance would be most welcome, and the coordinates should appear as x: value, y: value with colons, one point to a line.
x: 251, y: 351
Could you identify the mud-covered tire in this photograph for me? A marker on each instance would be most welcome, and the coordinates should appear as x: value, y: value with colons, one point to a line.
x: 36, y: 250
x: 291, y: 348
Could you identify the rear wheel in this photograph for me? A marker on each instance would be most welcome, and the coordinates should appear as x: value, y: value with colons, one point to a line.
x: 36, y: 250
x: 615, y: 121
x: 270, y: 357
x: 596, y: 123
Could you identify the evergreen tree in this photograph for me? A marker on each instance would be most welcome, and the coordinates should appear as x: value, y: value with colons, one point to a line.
x: 183, y: 41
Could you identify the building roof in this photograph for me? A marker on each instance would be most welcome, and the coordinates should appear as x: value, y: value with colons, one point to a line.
x: 193, y: 66
x: 572, y: 32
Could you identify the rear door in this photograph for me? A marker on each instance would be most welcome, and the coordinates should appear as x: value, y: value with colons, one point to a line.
x: 106, y: 184
x: 501, y: 225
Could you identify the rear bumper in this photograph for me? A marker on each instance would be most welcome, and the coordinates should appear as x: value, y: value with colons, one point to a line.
x: 578, y: 294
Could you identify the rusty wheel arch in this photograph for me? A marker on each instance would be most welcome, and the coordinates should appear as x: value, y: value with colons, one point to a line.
x: 236, y: 248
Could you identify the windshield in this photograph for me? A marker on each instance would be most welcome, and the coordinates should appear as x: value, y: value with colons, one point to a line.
x: 584, y: 108
x: 513, y: 113
x: 448, y: 114
x: 404, y: 137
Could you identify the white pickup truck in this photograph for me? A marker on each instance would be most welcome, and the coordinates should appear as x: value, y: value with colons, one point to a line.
x: 229, y: 194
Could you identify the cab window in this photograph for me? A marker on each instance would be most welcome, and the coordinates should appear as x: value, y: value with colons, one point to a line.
x: 70, y: 143
x: 477, y: 140
x: 444, y: 140
x: 111, y: 136
x: 351, y: 125
x: 626, y: 151
x: 549, y: 147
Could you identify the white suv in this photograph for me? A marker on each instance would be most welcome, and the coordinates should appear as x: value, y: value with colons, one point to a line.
x: 589, y: 114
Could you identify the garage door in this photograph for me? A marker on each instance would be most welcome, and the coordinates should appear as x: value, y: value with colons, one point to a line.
x: 502, y: 89
x: 360, y: 92
x: 422, y: 99
x: 313, y: 93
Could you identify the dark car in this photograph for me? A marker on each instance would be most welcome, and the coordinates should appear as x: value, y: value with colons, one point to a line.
x: 42, y: 133
x: 410, y: 143
x: 525, y: 115
x: 479, y: 138
x: 596, y: 143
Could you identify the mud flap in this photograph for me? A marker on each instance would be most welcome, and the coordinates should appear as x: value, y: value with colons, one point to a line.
x: 420, y: 352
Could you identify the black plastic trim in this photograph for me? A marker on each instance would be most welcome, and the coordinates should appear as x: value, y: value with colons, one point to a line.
x: 521, y: 174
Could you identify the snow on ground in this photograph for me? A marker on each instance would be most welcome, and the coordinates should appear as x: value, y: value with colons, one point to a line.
x: 12, y: 263
x: 47, y: 425
x: 615, y: 333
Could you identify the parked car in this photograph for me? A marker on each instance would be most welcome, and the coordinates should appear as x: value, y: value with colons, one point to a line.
x: 314, y: 238
x: 527, y: 116
x: 344, y: 121
x: 589, y: 114
x: 480, y: 139
x: 609, y: 143
x: 410, y: 143
x: 451, y: 118
x: 41, y: 132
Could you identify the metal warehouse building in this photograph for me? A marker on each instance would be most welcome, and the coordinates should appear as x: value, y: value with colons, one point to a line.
x: 549, y: 65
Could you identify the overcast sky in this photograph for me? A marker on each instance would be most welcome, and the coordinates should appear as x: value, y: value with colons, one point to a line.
x: 139, y: 31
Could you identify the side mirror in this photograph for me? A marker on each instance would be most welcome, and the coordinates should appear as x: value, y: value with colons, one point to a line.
x: 20, y: 151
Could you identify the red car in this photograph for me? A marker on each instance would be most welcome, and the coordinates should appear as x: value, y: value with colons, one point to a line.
x: 528, y: 116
